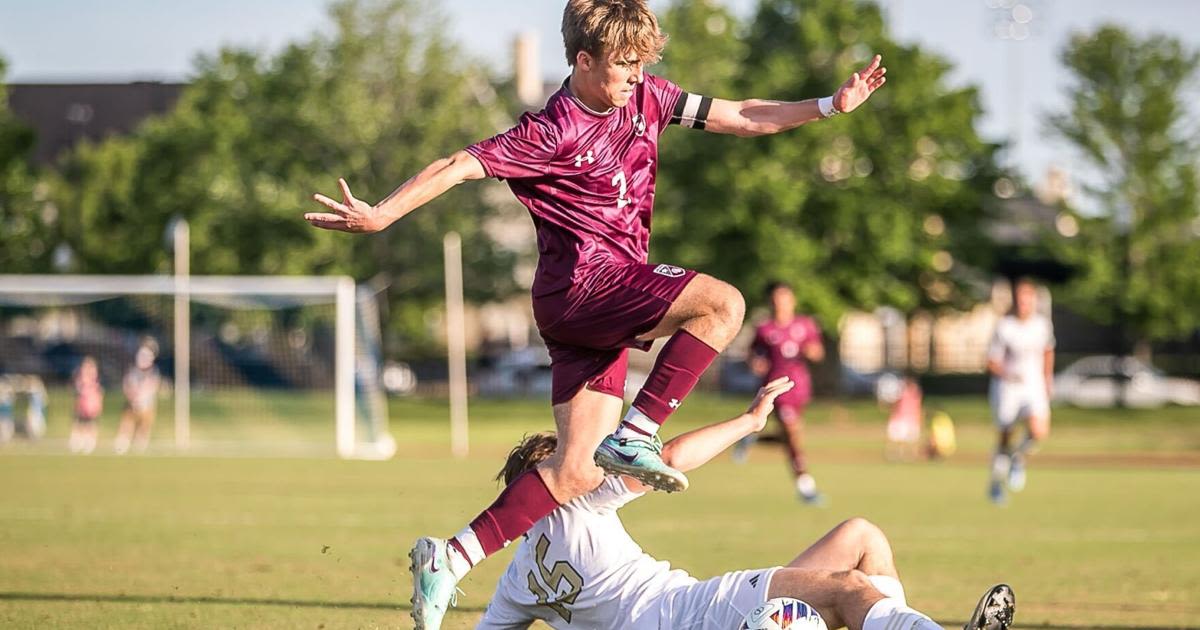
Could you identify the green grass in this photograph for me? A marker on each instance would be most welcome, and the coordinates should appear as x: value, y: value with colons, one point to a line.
x: 1106, y: 535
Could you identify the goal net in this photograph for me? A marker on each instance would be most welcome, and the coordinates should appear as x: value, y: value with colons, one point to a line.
x: 245, y: 365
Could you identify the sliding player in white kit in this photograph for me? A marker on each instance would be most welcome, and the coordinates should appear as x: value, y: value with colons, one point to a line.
x: 1021, y: 362
x: 579, y: 569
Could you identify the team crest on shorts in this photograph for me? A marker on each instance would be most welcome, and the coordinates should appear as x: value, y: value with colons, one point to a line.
x: 670, y: 271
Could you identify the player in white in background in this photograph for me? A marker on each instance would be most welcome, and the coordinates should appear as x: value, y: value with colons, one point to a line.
x: 1021, y: 362
x: 141, y: 385
x: 579, y: 569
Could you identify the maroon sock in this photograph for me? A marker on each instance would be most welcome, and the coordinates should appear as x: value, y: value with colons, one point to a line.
x: 524, y: 502
x: 675, y: 373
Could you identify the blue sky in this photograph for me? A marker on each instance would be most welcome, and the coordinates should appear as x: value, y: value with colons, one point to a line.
x: 122, y: 40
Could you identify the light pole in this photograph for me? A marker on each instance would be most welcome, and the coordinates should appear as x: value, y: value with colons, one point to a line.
x: 179, y: 237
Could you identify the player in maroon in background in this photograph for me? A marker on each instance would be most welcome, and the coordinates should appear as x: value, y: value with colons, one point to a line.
x: 784, y: 346
x: 585, y: 168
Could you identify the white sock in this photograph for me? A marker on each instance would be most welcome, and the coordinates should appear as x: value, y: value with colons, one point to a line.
x: 636, y: 425
x: 892, y: 614
x: 889, y: 586
x: 1000, y: 465
x: 806, y: 485
x: 460, y: 565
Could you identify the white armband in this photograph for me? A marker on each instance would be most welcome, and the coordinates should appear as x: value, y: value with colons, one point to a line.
x: 828, y: 109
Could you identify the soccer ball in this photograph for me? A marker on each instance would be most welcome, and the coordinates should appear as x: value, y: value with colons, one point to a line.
x: 783, y: 613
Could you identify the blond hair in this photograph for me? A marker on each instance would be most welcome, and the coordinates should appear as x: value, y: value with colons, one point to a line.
x: 600, y: 27
x: 533, y: 450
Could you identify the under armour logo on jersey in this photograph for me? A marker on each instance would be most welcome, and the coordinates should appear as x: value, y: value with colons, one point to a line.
x: 581, y: 158
x: 670, y: 271
x: 674, y: 404
x: 754, y: 580
x: 639, y: 125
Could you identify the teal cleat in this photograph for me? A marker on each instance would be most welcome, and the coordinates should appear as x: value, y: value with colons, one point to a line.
x: 640, y: 458
x: 435, y: 587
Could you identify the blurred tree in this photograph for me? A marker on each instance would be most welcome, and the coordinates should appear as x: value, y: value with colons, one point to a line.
x: 252, y: 138
x: 1139, y: 251
x: 26, y: 217
x: 877, y: 208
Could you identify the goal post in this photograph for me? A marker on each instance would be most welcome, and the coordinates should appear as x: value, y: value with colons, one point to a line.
x: 230, y: 296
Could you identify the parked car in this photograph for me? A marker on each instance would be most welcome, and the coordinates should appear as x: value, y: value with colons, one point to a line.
x: 1096, y: 382
x: 517, y: 372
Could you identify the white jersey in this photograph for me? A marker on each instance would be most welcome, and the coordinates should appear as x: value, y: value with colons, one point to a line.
x: 1020, y: 346
x: 579, y: 569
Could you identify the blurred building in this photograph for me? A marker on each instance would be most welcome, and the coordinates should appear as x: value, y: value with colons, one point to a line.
x: 63, y: 114
x: 948, y: 342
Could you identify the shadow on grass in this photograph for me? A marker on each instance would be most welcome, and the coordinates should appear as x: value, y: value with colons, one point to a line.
x: 1054, y: 626
x: 123, y: 598
x: 310, y: 603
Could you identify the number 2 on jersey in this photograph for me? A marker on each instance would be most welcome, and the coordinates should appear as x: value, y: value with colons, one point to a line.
x: 552, y: 577
x: 619, y: 180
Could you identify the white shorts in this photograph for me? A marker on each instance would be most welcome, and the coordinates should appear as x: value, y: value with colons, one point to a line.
x: 1014, y: 402
x: 719, y: 603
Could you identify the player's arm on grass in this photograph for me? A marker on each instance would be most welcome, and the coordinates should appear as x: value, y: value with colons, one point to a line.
x: 758, y: 117
x: 356, y: 215
x: 695, y: 448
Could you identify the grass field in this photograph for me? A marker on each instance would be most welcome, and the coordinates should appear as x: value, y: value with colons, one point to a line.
x: 1106, y: 536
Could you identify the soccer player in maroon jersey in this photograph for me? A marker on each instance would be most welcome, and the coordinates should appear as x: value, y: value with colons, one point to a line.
x: 585, y: 166
x: 783, y: 346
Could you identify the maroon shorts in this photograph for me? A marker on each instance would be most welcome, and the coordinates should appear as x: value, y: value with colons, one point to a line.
x: 790, y: 406
x: 789, y: 414
x: 589, y: 326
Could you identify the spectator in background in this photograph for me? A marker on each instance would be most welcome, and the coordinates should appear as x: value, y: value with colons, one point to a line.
x: 7, y: 399
x: 141, y: 398
x: 905, y: 420
x: 35, y: 411
x: 89, y: 402
x: 1021, y: 362
x: 783, y: 346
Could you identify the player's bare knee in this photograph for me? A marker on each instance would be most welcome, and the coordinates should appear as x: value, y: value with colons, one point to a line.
x: 733, y: 310
x: 862, y: 530
x: 728, y: 308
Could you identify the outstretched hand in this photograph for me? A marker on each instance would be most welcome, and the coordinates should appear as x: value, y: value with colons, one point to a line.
x: 859, y: 87
x: 764, y: 401
x: 349, y: 215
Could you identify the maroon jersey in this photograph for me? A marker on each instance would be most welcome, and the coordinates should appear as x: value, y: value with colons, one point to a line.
x: 586, y: 177
x: 783, y: 347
